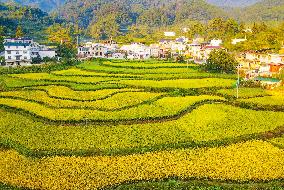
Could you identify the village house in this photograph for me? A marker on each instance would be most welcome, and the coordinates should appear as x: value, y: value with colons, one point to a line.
x: 235, y: 41
x: 22, y: 51
x: 83, y: 52
x: 136, y: 51
x: 165, y: 49
x: 199, y: 52
x: 118, y: 55
x: 169, y: 34
x: 155, y: 49
x: 203, y: 53
x: 179, y: 45
x: 275, y: 68
x: 215, y: 43
x: 194, y: 50
x: 262, y: 63
x: 97, y: 50
x: 173, y: 48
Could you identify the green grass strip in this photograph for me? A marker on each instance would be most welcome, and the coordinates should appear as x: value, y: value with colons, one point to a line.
x: 197, y: 184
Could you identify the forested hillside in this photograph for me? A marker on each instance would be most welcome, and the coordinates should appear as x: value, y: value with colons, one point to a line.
x: 127, y: 12
x: 104, y: 19
x: 51, y: 5
x: 32, y: 20
x: 139, y: 19
x: 45, y: 5
x: 266, y: 10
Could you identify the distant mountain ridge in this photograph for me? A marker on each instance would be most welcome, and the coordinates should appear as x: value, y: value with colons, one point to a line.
x: 45, y: 5
x: 265, y: 10
x: 233, y: 3
x: 50, y: 5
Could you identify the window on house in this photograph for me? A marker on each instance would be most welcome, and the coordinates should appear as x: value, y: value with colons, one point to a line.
x: 8, y: 52
x: 25, y: 57
x: 9, y: 57
x: 17, y: 58
x: 25, y: 52
x: 17, y: 52
x: 17, y: 47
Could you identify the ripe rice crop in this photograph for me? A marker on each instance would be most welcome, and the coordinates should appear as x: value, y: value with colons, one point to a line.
x: 80, y: 72
x: 244, y: 92
x: 117, y: 101
x: 265, y: 101
x: 92, y: 66
x: 165, y: 107
x: 181, y: 83
x: 253, y: 160
x: 103, y: 123
x: 207, y: 123
x: 146, y: 65
x: 12, y: 82
x: 67, y: 93
x: 50, y: 77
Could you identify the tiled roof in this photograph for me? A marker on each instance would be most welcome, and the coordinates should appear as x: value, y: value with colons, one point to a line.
x: 16, y: 44
x: 24, y: 38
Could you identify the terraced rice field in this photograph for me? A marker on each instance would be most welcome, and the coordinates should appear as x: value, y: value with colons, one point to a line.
x: 138, y: 125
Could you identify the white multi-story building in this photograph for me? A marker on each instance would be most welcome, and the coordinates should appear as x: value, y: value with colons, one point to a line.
x: 21, y: 51
x: 215, y: 42
x: 235, y: 41
x: 97, y: 50
x: 264, y: 57
x: 84, y: 52
x: 137, y: 51
x: 155, y: 50
x: 118, y: 55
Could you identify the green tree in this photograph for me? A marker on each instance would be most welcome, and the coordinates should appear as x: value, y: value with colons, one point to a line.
x: 104, y: 28
x: 231, y: 27
x: 19, y: 32
x: 66, y: 51
x: 196, y: 28
x: 60, y: 35
x: 220, y: 61
x: 216, y: 28
x: 1, y: 38
x: 259, y: 27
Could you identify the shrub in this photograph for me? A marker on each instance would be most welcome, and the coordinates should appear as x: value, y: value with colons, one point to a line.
x: 220, y: 61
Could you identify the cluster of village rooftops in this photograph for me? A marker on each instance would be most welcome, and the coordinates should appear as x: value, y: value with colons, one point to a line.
x: 21, y: 51
x: 253, y: 63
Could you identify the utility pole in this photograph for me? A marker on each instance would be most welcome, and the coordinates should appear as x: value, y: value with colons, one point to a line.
x: 187, y: 63
x: 238, y: 83
x: 78, y: 40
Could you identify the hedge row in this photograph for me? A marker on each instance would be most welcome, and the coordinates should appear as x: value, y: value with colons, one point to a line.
x: 40, y: 68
